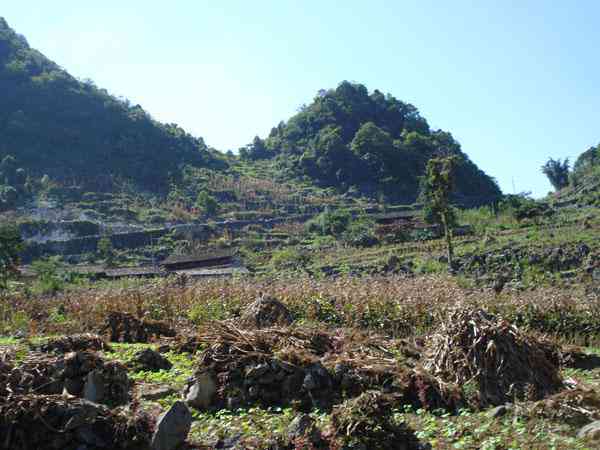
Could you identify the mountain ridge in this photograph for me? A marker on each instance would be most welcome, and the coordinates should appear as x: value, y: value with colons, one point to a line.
x: 367, y: 142
x: 73, y: 131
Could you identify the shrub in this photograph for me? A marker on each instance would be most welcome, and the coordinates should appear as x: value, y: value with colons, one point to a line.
x: 289, y: 258
x: 329, y: 222
x: 50, y: 280
x: 361, y: 232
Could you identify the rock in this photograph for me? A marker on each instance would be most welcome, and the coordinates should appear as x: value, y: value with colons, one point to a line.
x: 172, y: 427
x: 303, y: 426
x: 310, y: 383
x: 20, y: 334
x: 316, y: 377
x: 74, y: 386
x: 499, y: 411
x: 87, y: 434
x: 230, y: 443
x: 234, y: 402
x: 94, y: 388
x: 150, y: 360
x: 266, y: 312
x: 200, y: 394
x: 156, y: 393
x: 590, y: 431
x: 339, y: 370
x: 253, y: 392
x: 257, y: 371
x: 165, y: 348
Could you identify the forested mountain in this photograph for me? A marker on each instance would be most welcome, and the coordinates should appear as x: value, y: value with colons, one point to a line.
x: 78, y: 134
x: 373, y: 144
x: 73, y: 131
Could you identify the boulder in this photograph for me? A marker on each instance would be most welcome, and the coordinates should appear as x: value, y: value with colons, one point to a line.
x: 266, y: 312
x: 201, y: 391
x: 94, y: 387
x: 150, y: 360
x: 303, y: 427
x: 499, y: 411
x: 172, y: 427
x: 590, y: 431
x: 156, y: 393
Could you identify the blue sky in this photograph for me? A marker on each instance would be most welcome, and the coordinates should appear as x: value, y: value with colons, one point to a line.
x: 514, y: 81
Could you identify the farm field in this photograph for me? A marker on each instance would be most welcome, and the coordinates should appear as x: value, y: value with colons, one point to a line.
x: 382, y: 347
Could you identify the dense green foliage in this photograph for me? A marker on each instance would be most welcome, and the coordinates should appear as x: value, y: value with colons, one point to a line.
x: 358, y: 231
x: 587, y: 160
x: 557, y: 172
x: 438, y: 184
x: 10, y: 246
x: 370, y: 144
x: 77, y: 133
x: 106, y: 251
x: 14, y: 183
x: 207, y: 204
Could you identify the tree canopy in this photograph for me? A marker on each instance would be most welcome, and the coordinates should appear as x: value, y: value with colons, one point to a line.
x: 348, y: 137
x: 437, y: 186
x: 10, y: 246
x: 587, y: 160
x: 557, y: 172
x: 74, y: 131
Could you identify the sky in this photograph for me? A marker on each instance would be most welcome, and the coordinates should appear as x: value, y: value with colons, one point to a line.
x: 515, y: 82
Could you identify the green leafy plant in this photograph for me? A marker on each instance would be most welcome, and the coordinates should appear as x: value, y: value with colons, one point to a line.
x: 10, y: 246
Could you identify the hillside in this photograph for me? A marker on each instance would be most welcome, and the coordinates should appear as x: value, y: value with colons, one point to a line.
x: 371, y: 144
x: 78, y: 133
x: 584, y: 181
x: 68, y: 145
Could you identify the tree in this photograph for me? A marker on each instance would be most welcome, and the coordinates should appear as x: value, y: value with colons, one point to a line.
x: 8, y: 170
x: 11, y: 245
x: 557, y: 172
x: 207, y: 203
x: 106, y: 251
x: 438, y: 184
x: 8, y: 197
x: 587, y: 160
x: 371, y: 139
x: 254, y: 151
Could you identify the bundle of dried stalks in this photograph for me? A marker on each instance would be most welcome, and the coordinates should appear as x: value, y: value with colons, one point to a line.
x: 262, y: 342
x: 125, y: 327
x: 576, y: 407
x: 38, y: 373
x: 491, y: 359
x: 74, y: 343
x: 366, y: 422
x: 300, y: 363
x: 52, y: 421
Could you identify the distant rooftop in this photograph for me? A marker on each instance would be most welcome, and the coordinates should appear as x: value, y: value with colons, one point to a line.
x: 179, y: 259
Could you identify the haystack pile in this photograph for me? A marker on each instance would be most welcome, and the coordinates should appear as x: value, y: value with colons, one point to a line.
x: 366, y: 422
x: 74, y: 343
x: 181, y: 344
x: 45, y: 422
x: 493, y: 360
x: 41, y: 374
x: 308, y: 367
x: 77, y: 372
x: 125, y: 327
